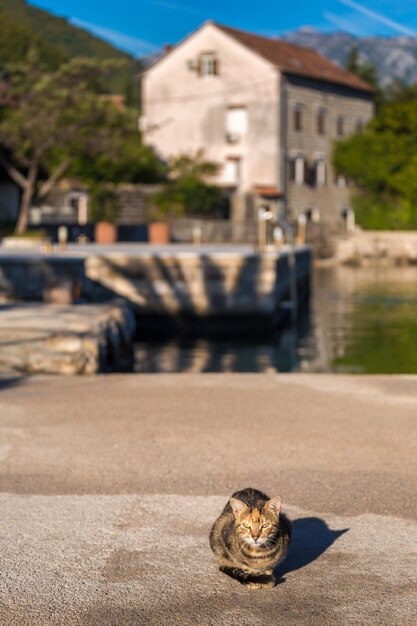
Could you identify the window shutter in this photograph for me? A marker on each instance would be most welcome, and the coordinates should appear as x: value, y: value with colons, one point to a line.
x: 307, y: 173
x: 292, y: 169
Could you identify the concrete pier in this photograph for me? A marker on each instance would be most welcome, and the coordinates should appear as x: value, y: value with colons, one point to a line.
x: 109, y: 487
x: 208, y: 281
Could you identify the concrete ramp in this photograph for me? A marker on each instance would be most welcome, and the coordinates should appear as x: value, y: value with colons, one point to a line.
x: 145, y: 560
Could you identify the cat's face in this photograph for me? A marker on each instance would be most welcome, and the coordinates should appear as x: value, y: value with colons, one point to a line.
x: 255, y: 526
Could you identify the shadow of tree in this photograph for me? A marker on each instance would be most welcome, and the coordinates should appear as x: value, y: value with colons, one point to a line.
x: 10, y: 381
x: 311, y: 537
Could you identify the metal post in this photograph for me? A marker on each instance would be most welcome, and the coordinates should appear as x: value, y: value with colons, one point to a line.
x: 264, y: 215
x: 301, y: 229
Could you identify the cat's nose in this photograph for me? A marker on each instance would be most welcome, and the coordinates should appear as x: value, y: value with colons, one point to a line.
x: 255, y: 538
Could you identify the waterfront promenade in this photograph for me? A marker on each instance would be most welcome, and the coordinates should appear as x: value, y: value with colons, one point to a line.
x: 109, y: 486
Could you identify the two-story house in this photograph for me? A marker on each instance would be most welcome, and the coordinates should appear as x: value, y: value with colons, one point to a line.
x: 267, y: 111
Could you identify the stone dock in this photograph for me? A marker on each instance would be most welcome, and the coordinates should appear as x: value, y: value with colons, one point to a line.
x: 56, y: 339
x: 211, y: 289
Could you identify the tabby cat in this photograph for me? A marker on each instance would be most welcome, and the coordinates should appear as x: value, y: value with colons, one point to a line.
x: 250, y: 538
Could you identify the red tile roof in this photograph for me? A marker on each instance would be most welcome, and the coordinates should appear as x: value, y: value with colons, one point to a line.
x: 292, y: 59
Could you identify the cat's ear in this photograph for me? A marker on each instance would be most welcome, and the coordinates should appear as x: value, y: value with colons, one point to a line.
x: 238, y: 507
x: 274, y: 505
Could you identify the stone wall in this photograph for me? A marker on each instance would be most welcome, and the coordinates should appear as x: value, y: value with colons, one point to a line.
x: 386, y: 247
x: 84, y: 339
x: 335, y: 100
x: 61, y: 204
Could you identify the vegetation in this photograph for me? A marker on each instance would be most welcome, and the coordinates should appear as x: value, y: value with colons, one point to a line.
x: 56, y: 122
x: 188, y: 192
x: 17, y: 42
x: 103, y: 204
x: 364, y: 70
x: 382, y: 161
x: 56, y: 40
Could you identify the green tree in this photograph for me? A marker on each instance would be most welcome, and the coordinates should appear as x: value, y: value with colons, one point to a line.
x: 18, y: 41
x: 57, y: 121
x: 382, y: 161
x: 366, y: 71
x: 188, y: 192
x: 104, y: 204
x: 363, y: 69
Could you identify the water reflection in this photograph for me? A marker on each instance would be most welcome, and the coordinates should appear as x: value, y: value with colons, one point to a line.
x: 204, y: 355
x: 361, y: 320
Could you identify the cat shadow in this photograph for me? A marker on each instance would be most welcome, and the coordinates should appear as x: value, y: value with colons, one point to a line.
x: 311, y: 537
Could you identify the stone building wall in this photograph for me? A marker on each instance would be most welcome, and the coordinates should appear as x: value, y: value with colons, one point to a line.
x: 332, y: 197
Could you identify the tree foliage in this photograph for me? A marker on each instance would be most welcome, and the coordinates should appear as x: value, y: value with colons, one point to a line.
x: 363, y: 69
x: 56, y: 40
x: 188, y: 192
x: 366, y: 71
x: 382, y: 161
x: 57, y: 121
x: 104, y: 205
x: 17, y: 42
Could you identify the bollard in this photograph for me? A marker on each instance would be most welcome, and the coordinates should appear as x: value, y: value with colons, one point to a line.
x: 350, y: 221
x: 46, y: 246
x: 197, y: 235
x: 301, y: 229
x: 264, y: 215
x: 278, y: 235
x: 63, y: 237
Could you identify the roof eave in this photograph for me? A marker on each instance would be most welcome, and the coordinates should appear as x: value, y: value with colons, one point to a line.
x: 331, y: 81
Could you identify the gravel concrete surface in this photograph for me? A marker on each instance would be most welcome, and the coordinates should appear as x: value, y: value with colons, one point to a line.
x: 109, y: 486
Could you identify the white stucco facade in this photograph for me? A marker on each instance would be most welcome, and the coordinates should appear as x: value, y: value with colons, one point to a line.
x: 184, y: 112
x: 241, y: 117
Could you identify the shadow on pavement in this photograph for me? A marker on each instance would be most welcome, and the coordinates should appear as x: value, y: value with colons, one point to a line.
x: 311, y: 537
x: 8, y: 380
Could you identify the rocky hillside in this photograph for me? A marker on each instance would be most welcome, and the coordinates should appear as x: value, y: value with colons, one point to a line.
x: 393, y: 57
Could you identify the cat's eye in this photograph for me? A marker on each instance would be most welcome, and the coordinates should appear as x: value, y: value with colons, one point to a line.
x: 265, y: 525
x: 245, y: 525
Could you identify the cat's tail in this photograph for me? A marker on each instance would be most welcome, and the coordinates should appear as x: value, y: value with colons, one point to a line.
x: 245, y: 577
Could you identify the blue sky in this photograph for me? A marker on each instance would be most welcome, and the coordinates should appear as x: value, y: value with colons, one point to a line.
x: 143, y: 26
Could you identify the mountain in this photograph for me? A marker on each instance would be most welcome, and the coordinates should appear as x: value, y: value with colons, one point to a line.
x: 394, y: 58
x: 23, y: 26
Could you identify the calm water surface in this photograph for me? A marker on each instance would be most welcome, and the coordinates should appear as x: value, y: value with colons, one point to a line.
x: 359, y: 321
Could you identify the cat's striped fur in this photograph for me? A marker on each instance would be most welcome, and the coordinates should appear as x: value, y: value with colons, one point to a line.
x: 251, y: 537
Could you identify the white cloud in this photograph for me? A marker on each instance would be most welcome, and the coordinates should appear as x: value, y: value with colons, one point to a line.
x: 131, y: 44
x: 378, y: 17
x: 346, y: 24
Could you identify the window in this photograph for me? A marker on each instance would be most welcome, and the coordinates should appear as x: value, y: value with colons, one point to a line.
x: 321, y: 122
x: 297, y: 169
x: 236, y: 124
x: 320, y: 172
x: 313, y: 215
x: 359, y: 126
x: 340, y: 126
x: 208, y: 64
x: 298, y: 117
x: 232, y: 171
